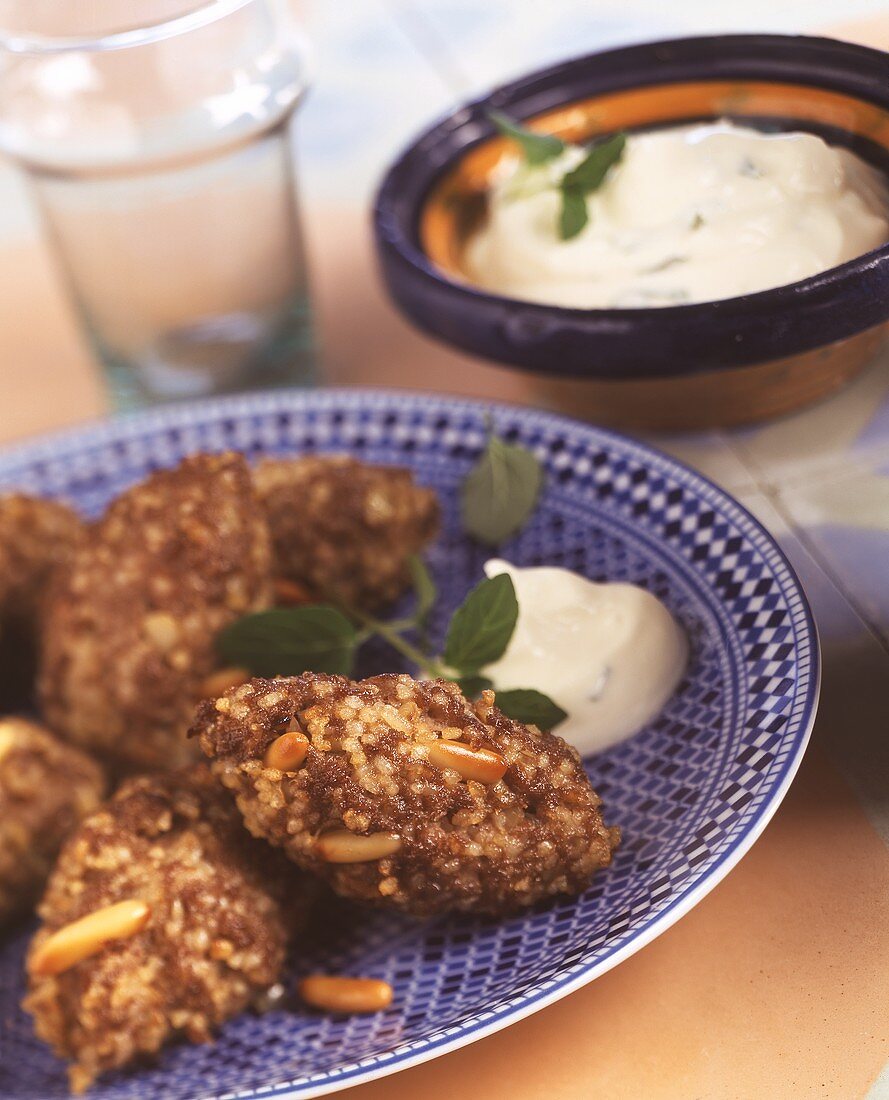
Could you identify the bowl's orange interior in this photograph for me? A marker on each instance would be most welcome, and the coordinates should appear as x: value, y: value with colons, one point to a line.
x: 454, y: 206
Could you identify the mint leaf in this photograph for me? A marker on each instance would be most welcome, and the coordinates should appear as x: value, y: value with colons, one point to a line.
x: 574, y: 215
x: 537, y: 148
x: 591, y: 172
x: 500, y: 492
x: 473, y: 686
x: 289, y: 640
x: 586, y: 177
x: 531, y: 707
x: 482, y: 625
x: 424, y: 588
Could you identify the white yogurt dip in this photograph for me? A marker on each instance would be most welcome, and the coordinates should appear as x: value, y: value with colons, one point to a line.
x: 689, y: 214
x: 611, y: 655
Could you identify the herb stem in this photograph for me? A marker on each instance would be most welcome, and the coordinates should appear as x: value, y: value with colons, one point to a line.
x: 400, y: 625
x: 428, y: 664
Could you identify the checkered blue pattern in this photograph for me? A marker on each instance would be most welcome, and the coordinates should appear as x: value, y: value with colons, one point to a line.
x: 691, y: 792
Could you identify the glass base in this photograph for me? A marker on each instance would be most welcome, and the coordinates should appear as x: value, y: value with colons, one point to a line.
x: 228, y: 353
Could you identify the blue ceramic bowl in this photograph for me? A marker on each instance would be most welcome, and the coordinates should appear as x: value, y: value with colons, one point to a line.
x: 706, y: 364
x: 691, y: 792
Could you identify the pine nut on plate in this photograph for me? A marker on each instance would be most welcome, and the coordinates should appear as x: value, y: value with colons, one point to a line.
x: 88, y: 935
x: 345, y: 995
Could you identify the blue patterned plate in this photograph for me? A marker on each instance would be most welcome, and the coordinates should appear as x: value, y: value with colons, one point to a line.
x: 692, y: 792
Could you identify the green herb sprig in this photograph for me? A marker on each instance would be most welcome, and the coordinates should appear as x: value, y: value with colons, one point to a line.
x: 321, y: 638
x: 587, y: 177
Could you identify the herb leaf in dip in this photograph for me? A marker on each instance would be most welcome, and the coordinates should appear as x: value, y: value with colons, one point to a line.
x: 586, y: 177
x: 573, y: 215
x: 531, y: 707
x: 590, y: 173
x: 536, y: 148
x: 289, y: 641
x: 500, y: 492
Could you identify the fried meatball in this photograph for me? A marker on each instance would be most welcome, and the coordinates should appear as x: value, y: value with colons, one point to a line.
x: 221, y: 908
x: 344, y: 529
x: 130, y: 626
x: 46, y: 787
x: 383, y: 810
x: 36, y: 537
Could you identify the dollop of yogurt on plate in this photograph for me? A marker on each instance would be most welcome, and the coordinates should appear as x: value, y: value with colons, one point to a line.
x: 611, y: 655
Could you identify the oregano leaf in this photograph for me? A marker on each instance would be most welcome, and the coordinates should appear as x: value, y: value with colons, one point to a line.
x: 573, y: 215
x: 500, y: 492
x: 531, y: 707
x: 482, y: 625
x: 473, y: 686
x: 585, y: 178
x: 537, y: 148
x: 287, y: 641
x: 590, y: 174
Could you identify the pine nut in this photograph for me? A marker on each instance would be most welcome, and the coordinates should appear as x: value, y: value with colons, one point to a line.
x: 7, y: 739
x: 345, y: 995
x: 341, y: 846
x: 84, y: 937
x: 287, y: 752
x: 482, y: 765
x: 221, y: 949
x: 162, y: 629
x: 219, y: 682
x: 291, y: 593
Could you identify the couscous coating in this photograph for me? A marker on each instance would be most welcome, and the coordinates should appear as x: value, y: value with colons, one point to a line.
x: 344, y: 529
x: 36, y: 538
x: 131, y: 624
x: 222, y: 908
x: 490, y: 847
x: 46, y: 787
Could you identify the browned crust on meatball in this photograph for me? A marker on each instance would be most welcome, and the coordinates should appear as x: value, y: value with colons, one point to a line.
x: 222, y: 908
x: 465, y: 845
x: 131, y: 624
x: 345, y: 529
x: 46, y: 787
x: 36, y: 538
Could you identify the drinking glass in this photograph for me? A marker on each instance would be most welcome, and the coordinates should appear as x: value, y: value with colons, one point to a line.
x: 160, y: 156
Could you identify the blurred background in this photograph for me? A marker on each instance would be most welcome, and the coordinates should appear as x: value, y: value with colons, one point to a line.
x: 377, y: 71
